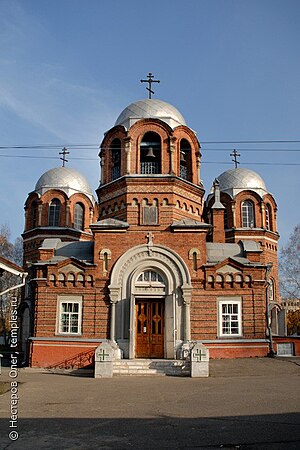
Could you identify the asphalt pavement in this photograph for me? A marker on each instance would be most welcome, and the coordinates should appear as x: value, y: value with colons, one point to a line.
x: 244, y: 404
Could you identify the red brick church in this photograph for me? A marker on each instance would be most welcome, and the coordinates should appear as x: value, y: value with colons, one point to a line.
x: 150, y: 264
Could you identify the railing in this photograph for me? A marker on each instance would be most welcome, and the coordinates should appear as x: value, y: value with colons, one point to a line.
x: 115, y: 172
x: 75, y: 362
x: 149, y: 167
x: 184, y: 172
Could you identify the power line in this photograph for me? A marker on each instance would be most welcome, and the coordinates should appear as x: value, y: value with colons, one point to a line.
x: 85, y: 145
x: 46, y: 157
x: 202, y: 148
x: 252, y: 163
x: 250, y: 142
x: 252, y: 149
x: 202, y: 162
x: 47, y: 146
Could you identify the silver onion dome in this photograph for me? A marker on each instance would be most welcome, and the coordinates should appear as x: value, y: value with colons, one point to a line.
x: 236, y: 180
x: 150, y: 109
x: 65, y: 179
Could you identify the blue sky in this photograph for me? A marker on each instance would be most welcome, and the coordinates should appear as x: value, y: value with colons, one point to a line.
x: 68, y: 68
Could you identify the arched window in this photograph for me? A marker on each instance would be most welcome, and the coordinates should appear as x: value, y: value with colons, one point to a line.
x: 248, y: 214
x: 105, y: 256
x: 268, y: 217
x: 194, y: 261
x: 271, y: 291
x: 115, y: 149
x: 185, y: 159
x: 54, y: 213
x: 194, y: 255
x: 149, y: 277
x: 79, y: 216
x: 150, y: 154
x: 34, y: 214
x: 105, y: 262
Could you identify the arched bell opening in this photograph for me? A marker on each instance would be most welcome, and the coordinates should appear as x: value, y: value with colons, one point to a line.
x: 185, y: 160
x: 115, y: 159
x: 150, y: 154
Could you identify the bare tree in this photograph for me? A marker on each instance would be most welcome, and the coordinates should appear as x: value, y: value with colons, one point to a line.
x: 14, y: 253
x: 6, y: 247
x: 289, y: 267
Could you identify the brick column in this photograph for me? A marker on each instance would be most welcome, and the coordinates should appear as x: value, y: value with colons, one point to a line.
x: 40, y: 210
x: 186, y: 299
x: 172, y: 153
x: 102, y: 161
x: 128, y: 155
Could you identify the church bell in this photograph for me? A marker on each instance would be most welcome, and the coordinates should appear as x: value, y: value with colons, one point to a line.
x: 150, y: 153
x: 182, y: 157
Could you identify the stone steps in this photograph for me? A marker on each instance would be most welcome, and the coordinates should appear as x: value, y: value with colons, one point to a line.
x: 147, y: 367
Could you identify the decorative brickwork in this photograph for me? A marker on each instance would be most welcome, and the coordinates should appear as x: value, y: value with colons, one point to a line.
x: 213, y: 270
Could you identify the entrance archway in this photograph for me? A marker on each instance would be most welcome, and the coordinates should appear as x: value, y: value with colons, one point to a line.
x: 150, y: 294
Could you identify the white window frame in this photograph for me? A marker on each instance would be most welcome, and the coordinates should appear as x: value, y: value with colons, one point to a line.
x: 248, y: 214
x: 79, y: 216
x: 229, y: 301
x: 158, y: 280
x: 54, y: 213
x: 68, y: 299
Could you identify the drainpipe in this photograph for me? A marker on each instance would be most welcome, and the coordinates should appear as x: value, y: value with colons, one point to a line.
x: 272, y: 352
x: 23, y: 277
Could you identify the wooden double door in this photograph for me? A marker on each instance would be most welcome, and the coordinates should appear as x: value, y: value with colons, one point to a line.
x: 149, y: 328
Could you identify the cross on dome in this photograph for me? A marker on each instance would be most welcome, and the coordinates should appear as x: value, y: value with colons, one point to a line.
x: 64, y: 152
x: 150, y: 81
x: 235, y: 154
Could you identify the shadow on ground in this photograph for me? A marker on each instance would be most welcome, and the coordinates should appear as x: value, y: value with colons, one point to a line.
x: 278, y: 431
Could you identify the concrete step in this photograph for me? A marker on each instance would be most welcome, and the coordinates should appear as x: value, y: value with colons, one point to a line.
x: 144, y: 367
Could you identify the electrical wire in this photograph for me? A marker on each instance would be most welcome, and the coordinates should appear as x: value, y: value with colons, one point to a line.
x: 79, y: 146
x: 88, y: 147
x: 202, y: 162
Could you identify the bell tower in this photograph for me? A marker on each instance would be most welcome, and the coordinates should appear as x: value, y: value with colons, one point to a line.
x: 150, y: 163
